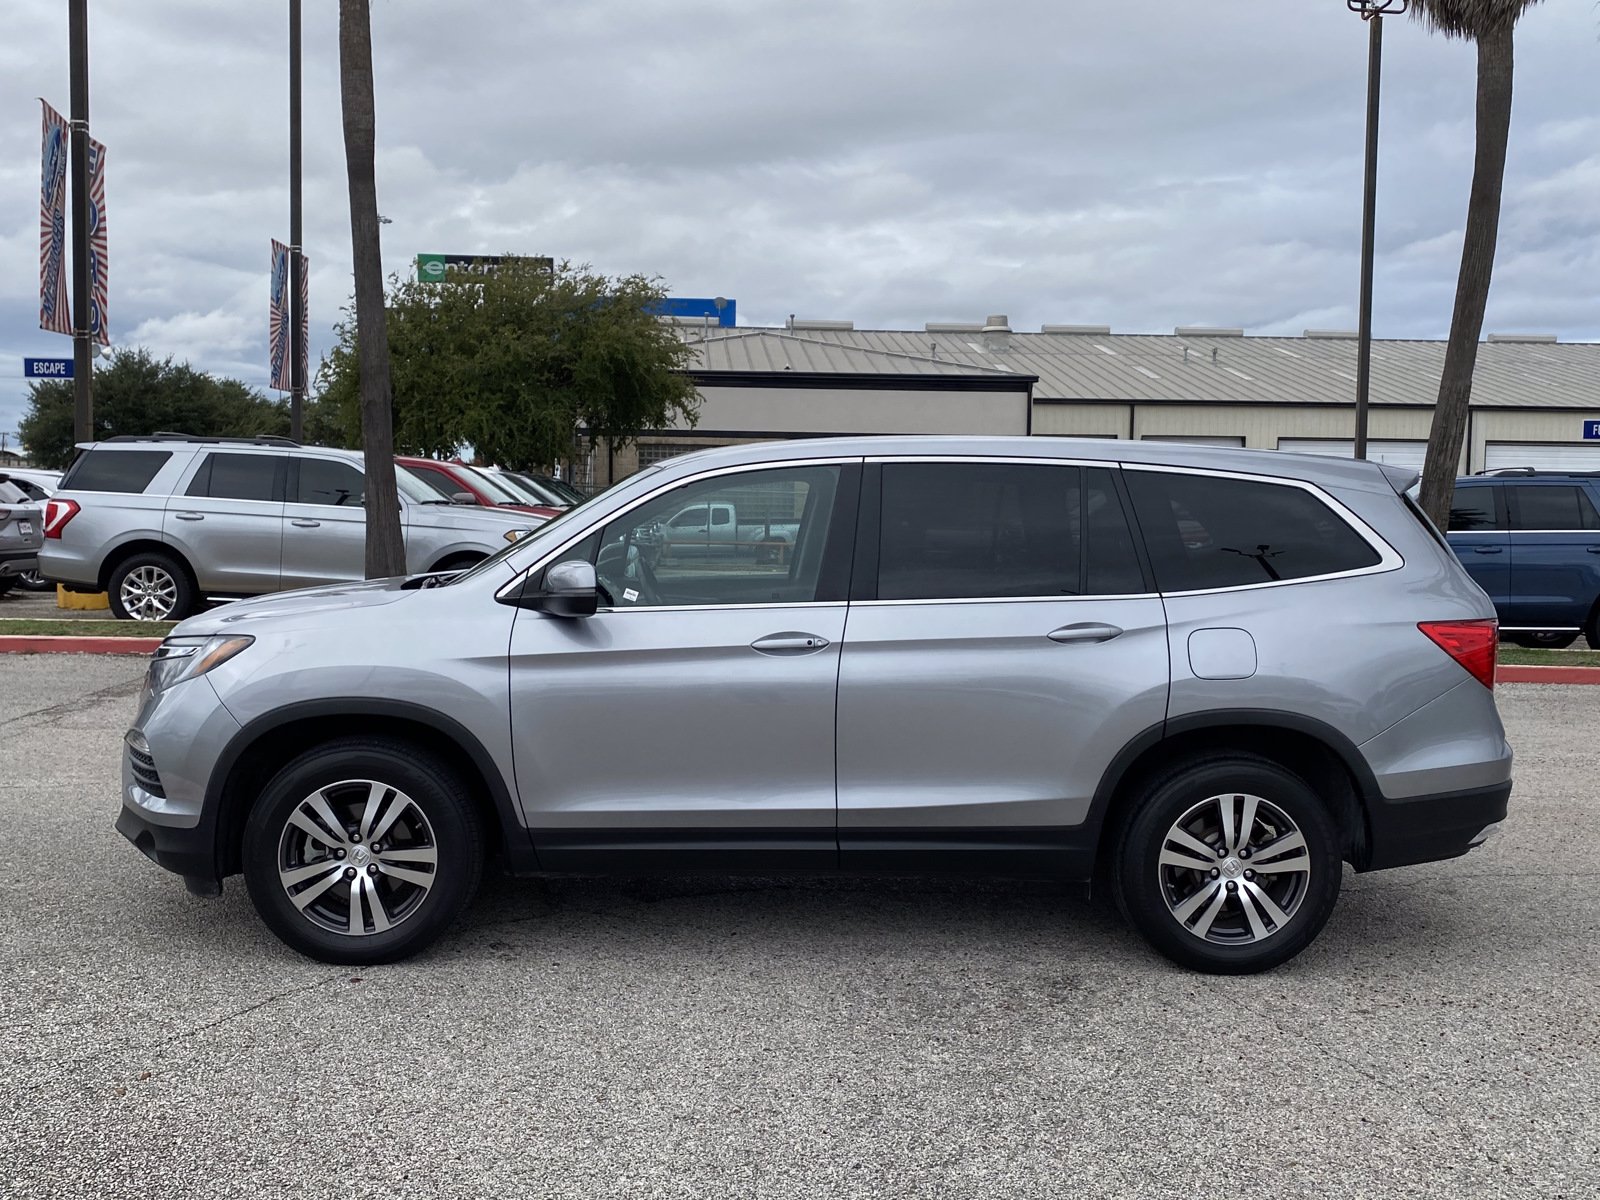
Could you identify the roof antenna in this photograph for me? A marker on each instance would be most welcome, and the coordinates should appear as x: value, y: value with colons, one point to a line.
x: 933, y: 349
x: 1213, y: 356
x: 789, y: 324
x: 1186, y: 356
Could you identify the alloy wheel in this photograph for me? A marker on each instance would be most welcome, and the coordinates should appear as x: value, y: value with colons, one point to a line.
x: 1234, y: 869
x: 357, y: 857
x: 149, y: 593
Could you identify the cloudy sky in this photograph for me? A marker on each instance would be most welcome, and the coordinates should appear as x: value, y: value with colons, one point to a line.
x: 1146, y: 163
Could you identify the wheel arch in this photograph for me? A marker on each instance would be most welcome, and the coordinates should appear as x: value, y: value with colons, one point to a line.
x: 251, y: 758
x: 1327, y: 760
x: 118, y: 554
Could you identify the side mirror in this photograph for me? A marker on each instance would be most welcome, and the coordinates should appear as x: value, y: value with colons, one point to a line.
x: 570, y: 590
x: 463, y: 498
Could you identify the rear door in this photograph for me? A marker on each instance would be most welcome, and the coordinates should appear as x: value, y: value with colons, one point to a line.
x: 1003, y: 646
x: 1555, y: 555
x: 324, y: 523
x: 1479, y: 538
x: 228, y: 521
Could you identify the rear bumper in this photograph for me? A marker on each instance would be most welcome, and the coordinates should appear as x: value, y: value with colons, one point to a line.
x: 15, y: 562
x: 1422, y: 829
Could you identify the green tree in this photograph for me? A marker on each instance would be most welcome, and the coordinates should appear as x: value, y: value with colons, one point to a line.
x: 515, y: 363
x: 386, y: 550
x: 1488, y: 23
x: 137, y: 393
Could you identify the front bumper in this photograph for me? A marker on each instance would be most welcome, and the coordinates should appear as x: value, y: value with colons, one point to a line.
x: 1423, y: 829
x: 190, y: 851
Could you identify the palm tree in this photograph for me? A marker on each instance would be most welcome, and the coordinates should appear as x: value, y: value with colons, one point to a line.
x: 386, y: 554
x: 1488, y: 23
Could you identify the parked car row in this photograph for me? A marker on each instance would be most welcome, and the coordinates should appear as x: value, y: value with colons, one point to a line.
x: 167, y: 522
x: 1531, y: 540
x: 21, y: 532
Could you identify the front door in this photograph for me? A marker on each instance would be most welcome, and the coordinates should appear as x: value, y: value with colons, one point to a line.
x: 689, y: 724
x: 324, y: 523
x: 1003, y: 646
x: 228, y: 523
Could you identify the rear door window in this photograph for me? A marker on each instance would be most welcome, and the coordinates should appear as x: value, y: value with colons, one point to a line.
x: 224, y: 476
x: 1211, y: 531
x: 1473, y: 509
x: 324, y: 481
x: 1549, y: 506
x: 106, y: 470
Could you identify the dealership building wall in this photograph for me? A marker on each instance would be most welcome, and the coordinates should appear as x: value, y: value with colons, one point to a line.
x: 1534, y: 399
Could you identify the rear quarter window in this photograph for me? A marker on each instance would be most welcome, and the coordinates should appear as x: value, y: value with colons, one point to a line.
x: 1209, y: 531
x: 106, y: 470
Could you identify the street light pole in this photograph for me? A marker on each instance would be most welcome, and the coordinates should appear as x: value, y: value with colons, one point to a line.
x: 297, y: 262
x: 1373, y: 12
x: 82, y: 361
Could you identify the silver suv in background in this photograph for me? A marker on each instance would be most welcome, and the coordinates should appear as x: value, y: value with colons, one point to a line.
x: 165, y: 522
x: 1207, y: 677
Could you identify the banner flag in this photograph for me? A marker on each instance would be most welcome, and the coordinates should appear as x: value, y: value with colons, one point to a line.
x: 99, y: 285
x: 278, y: 322
x: 54, y: 315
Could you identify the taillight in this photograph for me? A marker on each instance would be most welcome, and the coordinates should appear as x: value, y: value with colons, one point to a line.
x: 56, y: 515
x: 1470, y: 643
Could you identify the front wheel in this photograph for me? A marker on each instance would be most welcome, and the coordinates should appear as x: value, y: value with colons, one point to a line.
x: 1229, y: 865
x: 151, y: 587
x: 362, y: 850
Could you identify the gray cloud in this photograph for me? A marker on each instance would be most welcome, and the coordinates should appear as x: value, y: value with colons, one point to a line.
x: 1146, y: 164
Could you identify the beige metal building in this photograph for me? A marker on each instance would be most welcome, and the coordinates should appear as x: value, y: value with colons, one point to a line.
x: 1534, y: 398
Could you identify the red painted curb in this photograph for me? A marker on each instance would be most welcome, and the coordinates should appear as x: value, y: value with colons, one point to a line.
x: 1511, y: 674
x: 46, y: 644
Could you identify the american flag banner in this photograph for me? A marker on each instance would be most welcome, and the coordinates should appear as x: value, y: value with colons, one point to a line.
x: 99, y: 285
x: 278, y: 321
x: 305, y: 314
x: 54, y: 315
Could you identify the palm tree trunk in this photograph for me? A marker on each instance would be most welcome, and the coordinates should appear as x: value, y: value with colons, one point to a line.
x: 1477, y: 265
x: 386, y: 554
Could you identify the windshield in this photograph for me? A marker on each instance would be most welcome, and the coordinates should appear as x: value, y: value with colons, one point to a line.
x: 520, y: 488
x: 555, y: 529
x: 419, y: 488
x: 494, y: 488
x: 558, y: 486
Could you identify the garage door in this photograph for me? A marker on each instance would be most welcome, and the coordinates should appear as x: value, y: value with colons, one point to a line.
x: 1199, y: 439
x: 1392, y: 453
x: 1547, y: 456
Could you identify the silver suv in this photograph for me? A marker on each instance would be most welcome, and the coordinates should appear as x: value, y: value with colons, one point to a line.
x: 1204, y: 677
x: 21, y: 532
x: 163, y: 523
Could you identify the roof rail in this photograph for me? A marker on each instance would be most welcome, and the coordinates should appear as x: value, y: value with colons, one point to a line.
x: 264, y: 439
x: 1560, y: 471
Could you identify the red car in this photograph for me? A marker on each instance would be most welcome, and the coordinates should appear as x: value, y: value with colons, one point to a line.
x: 453, y: 480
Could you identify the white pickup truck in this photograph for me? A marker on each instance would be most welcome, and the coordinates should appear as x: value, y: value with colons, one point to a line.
x: 716, y: 528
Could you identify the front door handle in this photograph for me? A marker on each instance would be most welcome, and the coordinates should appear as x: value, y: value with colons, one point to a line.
x: 1085, y: 632
x: 1593, y: 549
x: 190, y: 516
x: 303, y: 524
x: 1486, y: 549
x: 790, y: 643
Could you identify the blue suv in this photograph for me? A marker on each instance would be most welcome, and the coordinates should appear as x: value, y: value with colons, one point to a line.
x: 1531, y: 540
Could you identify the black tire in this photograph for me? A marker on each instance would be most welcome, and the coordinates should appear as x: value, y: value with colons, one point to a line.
x: 154, y: 566
x: 1591, y: 627
x: 32, y: 581
x: 1543, y: 641
x: 7, y: 582
x: 1149, y: 893
x: 338, y: 773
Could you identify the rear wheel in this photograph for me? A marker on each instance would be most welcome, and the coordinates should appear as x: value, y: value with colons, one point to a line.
x: 32, y: 581
x: 362, y: 850
x: 1591, y: 628
x: 7, y: 582
x: 1229, y: 865
x: 151, y: 587
x: 1551, y: 640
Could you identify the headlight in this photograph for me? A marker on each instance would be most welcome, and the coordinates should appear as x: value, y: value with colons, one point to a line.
x: 516, y: 535
x: 182, y: 658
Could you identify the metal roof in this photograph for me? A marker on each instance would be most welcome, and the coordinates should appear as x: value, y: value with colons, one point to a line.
x: 778, y: 350
x: 1167, y: 367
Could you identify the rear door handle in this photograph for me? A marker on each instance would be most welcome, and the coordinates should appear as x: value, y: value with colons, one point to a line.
x: 190, y: 516
x: 303, y: 524
x: 1593, y: 549
x: 790, y: 643
x: 1490, y: 550
x: 1085, y: 632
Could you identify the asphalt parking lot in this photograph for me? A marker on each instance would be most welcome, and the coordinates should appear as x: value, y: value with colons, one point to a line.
x: 786, y: 1039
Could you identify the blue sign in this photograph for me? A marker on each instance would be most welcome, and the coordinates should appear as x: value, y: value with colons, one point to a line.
x: 61, y: 368
x: 721, y: 311
x: 1591, y: 431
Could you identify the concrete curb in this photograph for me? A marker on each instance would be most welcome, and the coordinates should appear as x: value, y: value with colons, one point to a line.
x: 1513, y: 674
x: 66, y: 644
